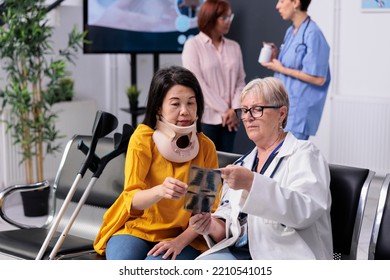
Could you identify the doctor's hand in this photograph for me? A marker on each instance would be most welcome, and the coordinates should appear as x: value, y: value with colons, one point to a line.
x: 237, y: 177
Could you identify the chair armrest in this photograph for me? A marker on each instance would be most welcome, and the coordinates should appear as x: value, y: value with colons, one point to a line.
x: 6, y: 195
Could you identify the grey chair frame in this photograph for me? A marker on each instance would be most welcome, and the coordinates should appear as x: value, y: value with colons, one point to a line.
x: 19, y: 188
x: 379, y: 245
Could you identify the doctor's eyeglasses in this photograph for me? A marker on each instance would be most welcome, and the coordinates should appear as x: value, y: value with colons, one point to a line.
x: 256, y: 112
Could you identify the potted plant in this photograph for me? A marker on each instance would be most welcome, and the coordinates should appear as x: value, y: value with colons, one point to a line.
x: 63, y: 91
x: 133, y: 93
x: 34, y: 72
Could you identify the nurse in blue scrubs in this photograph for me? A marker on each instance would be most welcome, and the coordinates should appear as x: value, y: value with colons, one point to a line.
x: 303, y: 66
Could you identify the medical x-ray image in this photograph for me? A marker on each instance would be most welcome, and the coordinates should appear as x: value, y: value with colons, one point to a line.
x: 202, y: 189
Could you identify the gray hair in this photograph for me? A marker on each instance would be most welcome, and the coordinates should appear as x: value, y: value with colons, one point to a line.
x: 271, y: 90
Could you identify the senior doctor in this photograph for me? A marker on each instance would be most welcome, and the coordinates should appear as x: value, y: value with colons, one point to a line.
x: 276, y: 199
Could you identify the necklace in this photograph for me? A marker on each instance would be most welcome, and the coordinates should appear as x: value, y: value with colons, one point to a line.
x: 280, y: 137
x: 262, y: 165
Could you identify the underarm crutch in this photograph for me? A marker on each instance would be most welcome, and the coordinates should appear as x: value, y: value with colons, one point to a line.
x: 104, y: 124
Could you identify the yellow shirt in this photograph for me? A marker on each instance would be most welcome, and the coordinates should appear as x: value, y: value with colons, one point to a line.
x: 145, y: 168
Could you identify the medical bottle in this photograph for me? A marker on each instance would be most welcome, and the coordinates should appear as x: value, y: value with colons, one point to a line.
x: 265, y: 53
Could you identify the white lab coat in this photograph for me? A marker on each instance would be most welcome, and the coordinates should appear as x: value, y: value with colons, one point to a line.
x: 289, y: 214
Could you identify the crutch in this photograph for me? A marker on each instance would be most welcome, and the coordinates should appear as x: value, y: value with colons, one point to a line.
x: 104, y: 124
x: 120, y: 146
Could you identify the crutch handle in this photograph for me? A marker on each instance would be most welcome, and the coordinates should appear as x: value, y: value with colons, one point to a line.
x: 95, y: 160
x: 120, y: 146
x: 104, y: 124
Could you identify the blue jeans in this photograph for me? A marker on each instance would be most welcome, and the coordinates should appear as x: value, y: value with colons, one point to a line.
x: 223, y: 254
x: 128, y: 247
x: 221, y: 136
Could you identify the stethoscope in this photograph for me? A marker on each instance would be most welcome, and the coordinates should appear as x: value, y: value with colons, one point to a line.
x: 240, y: 161
x: 301, y: 47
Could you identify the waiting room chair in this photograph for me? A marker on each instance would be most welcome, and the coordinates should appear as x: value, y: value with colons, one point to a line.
x: 225, y: 158
x: 349, y: 188
x: 25, y: 242
x: 379, y: 246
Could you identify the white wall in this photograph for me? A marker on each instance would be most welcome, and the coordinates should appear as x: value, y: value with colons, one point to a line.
x: 354, y: 131
x: 361, y: 100
x: 364, y: 52
x: 360, y: 44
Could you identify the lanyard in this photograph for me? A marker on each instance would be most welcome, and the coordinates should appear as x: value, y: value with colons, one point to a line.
x: 268, y: 161
x: 242, y: 241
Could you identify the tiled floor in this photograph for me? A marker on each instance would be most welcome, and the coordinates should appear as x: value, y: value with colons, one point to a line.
x: 372, y: 201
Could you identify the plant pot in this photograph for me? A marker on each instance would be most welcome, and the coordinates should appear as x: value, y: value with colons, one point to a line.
x: 133, y: 105
x: 36, y: 203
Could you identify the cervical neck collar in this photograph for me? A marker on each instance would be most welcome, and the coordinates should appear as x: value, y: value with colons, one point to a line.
x: 176, y: 143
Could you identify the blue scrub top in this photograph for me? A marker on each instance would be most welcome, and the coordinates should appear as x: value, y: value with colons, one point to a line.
x: 307, y: 51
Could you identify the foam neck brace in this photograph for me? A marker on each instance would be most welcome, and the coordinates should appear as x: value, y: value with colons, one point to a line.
x: 176, y: 143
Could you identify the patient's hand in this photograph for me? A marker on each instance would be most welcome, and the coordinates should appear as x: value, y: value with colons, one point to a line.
x: 171, y: 248
x: 200, y: 223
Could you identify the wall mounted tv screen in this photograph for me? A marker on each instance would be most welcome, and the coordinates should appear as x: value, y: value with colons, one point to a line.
x: 139, y: 26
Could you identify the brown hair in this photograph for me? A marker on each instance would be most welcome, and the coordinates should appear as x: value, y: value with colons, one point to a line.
x: 209, y: 13
x: 304, y: 5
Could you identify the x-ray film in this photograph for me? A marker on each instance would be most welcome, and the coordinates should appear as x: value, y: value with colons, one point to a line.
x: 202, y: 189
